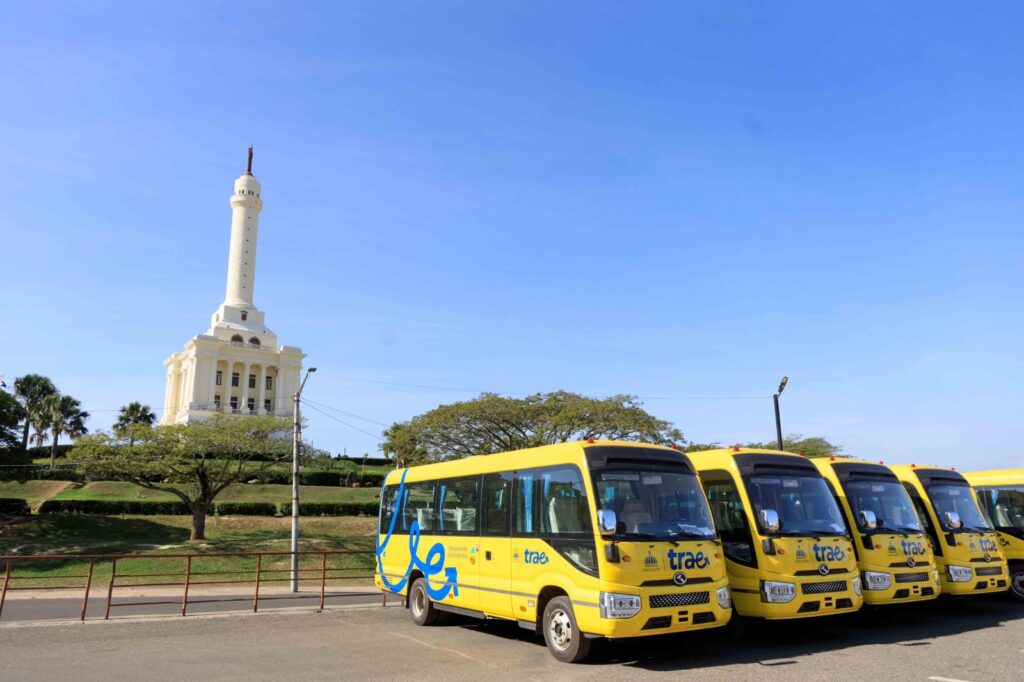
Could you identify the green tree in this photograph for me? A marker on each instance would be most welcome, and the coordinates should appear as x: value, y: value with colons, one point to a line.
x: 30, y: 390
x: 59, y: 415
x: 493, y: 423
x: 132, y: 414
x: 11, y: 414
x: 194, y: 461
x: 814, y: 446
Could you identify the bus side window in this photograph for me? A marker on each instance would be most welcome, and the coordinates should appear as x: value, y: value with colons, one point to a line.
x: 458, y: 504
x: 419, y: 507
x: 387, y: 508
x: 922, y: 514
x: 727, y: 506
x: 496, y: 502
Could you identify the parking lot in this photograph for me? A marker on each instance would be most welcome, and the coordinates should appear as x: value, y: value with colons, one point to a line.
x: 976, y: 641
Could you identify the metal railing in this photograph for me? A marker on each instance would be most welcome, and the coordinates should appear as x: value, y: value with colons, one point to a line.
x: 188, y: 577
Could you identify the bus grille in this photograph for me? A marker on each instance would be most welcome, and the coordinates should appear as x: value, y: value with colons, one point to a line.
x: 911, y: 577
x: 993, y: 570
x: 821, y: 588
x: 661, y: 601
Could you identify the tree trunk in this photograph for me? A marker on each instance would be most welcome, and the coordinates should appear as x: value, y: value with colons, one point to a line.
x: 198, y: 521
x: 53, y: 449
x: 24, y: 438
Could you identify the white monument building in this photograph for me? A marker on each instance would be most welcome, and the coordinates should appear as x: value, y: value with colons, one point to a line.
x: 236, y: 366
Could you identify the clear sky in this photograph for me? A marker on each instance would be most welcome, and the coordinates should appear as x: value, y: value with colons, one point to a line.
x: 681, y: 201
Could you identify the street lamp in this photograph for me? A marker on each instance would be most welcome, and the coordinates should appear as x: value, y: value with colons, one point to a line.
x: 296, y: 445
x: 778, y: 420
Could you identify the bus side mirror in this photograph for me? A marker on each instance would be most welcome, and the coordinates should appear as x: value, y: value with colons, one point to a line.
x: 770, y: 520
x: 868, y: 519
x: 952, y: 520
x: 606, y: 522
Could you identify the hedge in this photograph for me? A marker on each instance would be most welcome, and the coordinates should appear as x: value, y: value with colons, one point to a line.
x: 332, y: 508
x: 320, y: 477
x: 141, y: 507
x: 14, y: 506
x: 246, y: 509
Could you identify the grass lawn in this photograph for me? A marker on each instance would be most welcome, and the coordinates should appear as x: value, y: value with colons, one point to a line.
x: 33, y: 492
x: 84, y: 534
x: 240, y: 492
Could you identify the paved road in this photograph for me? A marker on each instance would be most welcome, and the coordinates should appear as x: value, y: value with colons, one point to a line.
x: 979, y: 641
x: 25, y: 610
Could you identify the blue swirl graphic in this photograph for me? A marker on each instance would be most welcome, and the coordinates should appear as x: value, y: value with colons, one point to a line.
x: 432, y: 565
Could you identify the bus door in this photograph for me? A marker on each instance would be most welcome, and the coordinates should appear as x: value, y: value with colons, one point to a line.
x: 494, y: 553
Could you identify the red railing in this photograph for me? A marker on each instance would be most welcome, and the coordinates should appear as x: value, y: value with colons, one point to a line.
x: 187, y: 577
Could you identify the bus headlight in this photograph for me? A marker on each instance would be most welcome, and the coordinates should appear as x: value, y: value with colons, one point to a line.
x: 777, y: 593
x: 724, y: 597
x: 619, y: 605
x: 959, y: 574
x: 874, y: 580
x: 855, y: 584
x: 935, y: 576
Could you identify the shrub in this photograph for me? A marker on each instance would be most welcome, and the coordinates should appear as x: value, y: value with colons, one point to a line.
x: 371, y: 480
x: 275, y: 476
x: 14, y: 506
x: 246, y: 509
x: 332, y: 508
x: 320, y: 477
x: 149, y: 508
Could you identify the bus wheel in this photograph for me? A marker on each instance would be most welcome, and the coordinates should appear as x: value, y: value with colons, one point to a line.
x: 563, y: 637
x: 1017, y: 582
x: 420, y: 607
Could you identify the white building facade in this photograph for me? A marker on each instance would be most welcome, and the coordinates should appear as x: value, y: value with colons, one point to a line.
x: 236, y: 367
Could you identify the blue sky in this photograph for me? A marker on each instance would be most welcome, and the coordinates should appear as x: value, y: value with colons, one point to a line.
x: 681, y: 201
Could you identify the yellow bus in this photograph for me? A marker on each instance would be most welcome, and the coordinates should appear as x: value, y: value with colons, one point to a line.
x: 893, y: 553
x: 966, y: 548
x: 574, y: 541
x: 1001, y: 494
x: 786, y: 547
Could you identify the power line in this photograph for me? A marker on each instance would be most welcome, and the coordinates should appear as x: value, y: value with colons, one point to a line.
x: 342, y: 421
x: 348, y: 414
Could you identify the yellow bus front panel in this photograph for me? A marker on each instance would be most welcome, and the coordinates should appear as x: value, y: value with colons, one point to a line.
x: 803, y: 569
x: 966, y: 548
x: 894, y: 555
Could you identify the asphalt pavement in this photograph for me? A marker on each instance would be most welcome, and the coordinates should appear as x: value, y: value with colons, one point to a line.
x: 971, y: 642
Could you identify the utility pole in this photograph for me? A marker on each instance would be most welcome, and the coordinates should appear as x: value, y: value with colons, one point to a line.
x: 296, y: 447
x: 778, y: 419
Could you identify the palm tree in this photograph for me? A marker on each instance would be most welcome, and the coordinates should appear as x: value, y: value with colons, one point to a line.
x: 60, y: 415
x: 131, y: 414
x: 30, y: 391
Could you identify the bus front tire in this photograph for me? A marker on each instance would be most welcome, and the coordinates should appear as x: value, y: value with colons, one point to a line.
x: 561, y: 634
x: 421, y: 609
x: 1017, y: 582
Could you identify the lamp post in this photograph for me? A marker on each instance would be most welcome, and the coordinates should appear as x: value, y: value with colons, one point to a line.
x: 778, y: 420
x: 296, y: 446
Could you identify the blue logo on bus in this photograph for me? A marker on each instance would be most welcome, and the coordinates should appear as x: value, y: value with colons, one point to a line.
x: 688, y: 560
x: 531, y: 557
x: 433, y: 564
x: 826, y: 553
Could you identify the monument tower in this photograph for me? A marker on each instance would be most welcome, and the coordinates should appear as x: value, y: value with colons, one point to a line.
x: 236, y: 367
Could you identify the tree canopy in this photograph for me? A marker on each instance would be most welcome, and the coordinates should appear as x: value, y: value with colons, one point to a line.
x: 30, y: 391
x: 492, y: 423
x: 814, y: 446
x: 194, y: 461
x: 11, y: 414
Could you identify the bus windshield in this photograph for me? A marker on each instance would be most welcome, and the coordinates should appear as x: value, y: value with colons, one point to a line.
x: 804, y: 504
x: 1005, y: 506
x: 957, y: 499
x: 894, y: 512
x: 655, y: 505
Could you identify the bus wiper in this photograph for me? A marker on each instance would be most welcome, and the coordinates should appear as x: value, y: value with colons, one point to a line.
x: 797, y: 534
x: 695, y: 536
x: 887, y: 529
x: 651, y: 536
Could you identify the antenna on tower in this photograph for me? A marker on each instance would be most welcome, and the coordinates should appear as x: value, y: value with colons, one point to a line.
x: 248, y: 168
